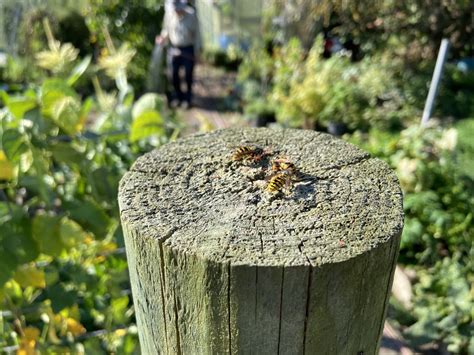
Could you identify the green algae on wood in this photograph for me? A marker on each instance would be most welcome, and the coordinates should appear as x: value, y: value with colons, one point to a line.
x: 220, y: 266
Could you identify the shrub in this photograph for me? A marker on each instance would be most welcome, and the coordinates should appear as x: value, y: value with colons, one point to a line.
x: 437, y: 237
x: 310, y: 91
x: 63, y: 275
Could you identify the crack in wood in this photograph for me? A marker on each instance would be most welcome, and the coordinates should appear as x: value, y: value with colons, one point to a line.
x: 281, y: 308
x: 306, y: 318
x: 163, y: 292
x: 301, y: 249
x: 229, y: 308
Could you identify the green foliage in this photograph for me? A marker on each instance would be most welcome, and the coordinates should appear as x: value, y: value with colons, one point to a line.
x: 457, y: 92
x: 63, y: 274
x: 82, y: 24
x: 443, y: 306
x: 437, y: 237
x: 381, y: 91
x: 418, y: 25
x: 310, y: 90
x: 254, y: 78
x: 465, y: 130
x: 134, y: 22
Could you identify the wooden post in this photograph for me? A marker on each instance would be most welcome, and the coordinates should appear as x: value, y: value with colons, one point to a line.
x: 218, y: 265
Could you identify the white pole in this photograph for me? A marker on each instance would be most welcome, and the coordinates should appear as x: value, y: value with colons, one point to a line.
x: 438, y: 72
x: 3, y: 44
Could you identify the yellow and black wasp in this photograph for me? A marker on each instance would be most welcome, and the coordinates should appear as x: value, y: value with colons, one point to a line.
x: 279, y: 182
x: 283, y: 165
x: 249, y: 153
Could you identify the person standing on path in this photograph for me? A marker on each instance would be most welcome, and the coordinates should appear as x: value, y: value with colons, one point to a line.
x: 181, y: 30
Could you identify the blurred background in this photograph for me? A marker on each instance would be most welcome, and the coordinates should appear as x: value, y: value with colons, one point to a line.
x: 84, y: 91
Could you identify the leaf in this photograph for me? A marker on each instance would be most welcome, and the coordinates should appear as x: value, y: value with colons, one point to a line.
x: 119, y: 306
x: 7, y: 268
x: 104, y: 184
x: 61, y: 297
x: 66, y: 114
x: 148, y: 124
x: 423, y: 331
x: 120, y: 332
x: 148, y: 102
x: 30, y: 276
x: 46, y: 231
x: 36, y: 186
x: 61, y: 104
x: 6, y: 168
x: 89, y: 215
x: 13, y: 144
x: 66, y: 153
x: 78, y: 70
x: 28, y: 341
x: 71, y: 233
x: 74, y: 327
x: 17, y: 245
x: 18, y: 105
x: 40, y: 124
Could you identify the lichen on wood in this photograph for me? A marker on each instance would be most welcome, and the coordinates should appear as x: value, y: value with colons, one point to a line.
x: 220, y: 265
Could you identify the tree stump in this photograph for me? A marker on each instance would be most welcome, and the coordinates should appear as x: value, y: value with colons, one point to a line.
x: 219, y: 265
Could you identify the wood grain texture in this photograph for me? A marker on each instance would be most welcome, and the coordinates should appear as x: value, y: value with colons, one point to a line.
x: 218, y: 265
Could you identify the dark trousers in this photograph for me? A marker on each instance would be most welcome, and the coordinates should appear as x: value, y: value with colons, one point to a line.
x: 182, y: 57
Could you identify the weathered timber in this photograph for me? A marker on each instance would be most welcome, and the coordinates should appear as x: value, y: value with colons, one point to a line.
x: 218, y: 265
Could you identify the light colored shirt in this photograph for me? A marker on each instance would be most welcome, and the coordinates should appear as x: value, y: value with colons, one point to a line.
x: 181, y: 30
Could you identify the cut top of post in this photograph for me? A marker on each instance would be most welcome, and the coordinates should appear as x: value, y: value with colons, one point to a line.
x: 196, y: 195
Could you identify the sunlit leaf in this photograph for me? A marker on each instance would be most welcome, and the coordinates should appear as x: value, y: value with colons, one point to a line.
x: 149, y: 123
x: 61, y: 104
x: 6, y: 168
x: 53, y: 90
x: 13, y: 144
x: 74, y: 327
x: 119, y: 306
x: 71, y: 233
x: 79, y: 70
x: 18, y: 105
x: 28, y: 341
x: 147, y: 102
x: 57, y: 85
x: 30, y: 276
x: 121, y: 332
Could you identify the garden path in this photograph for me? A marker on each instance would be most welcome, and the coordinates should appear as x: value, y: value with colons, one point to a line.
x: 215, y: 103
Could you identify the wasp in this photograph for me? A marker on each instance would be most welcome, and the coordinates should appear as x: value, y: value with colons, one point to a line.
x: 278, y: 183
x: 283, y: 165
x: 249, y: 153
